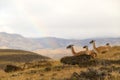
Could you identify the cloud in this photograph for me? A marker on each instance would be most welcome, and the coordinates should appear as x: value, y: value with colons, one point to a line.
x: 62, y: 18
x: 6, y: 29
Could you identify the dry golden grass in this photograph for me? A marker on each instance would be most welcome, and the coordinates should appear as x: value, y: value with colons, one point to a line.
x: 9, y: 56
x: 58, y: 71
x: 112, y: 56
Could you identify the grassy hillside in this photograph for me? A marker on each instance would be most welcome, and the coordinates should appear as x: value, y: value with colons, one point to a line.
x: 10, y: 56
x: 106, y: 68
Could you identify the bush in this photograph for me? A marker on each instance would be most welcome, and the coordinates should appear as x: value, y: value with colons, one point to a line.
x: 47, y: 69
x: 91, y: 74
x: 11, y: 68
x: 76, y: 59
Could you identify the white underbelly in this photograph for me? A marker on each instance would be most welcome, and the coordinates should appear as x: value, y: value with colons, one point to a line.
x: 95, y: 51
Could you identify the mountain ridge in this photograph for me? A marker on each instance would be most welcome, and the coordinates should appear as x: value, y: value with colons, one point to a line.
x: 16, y: 41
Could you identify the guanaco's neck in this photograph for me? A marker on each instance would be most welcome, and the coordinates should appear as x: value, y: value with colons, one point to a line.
x: 73, y: 51
x: 87, y: 49
x: 94, y: 48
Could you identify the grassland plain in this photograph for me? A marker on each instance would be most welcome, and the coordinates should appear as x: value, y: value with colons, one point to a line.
x: 55, y: 70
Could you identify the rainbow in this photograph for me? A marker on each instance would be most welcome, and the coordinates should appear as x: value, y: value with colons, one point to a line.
x: 38, y: 25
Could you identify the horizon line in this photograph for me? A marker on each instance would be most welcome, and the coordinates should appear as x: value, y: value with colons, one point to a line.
x: 60, y: 37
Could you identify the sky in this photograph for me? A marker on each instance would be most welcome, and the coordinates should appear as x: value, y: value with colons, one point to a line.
x: 77, y: 19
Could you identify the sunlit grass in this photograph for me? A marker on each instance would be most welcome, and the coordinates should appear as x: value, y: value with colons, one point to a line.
x: 55, y: 70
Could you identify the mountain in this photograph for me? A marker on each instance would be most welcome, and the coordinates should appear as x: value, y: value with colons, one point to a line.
x: 53, y: 42
x: 16, y: 41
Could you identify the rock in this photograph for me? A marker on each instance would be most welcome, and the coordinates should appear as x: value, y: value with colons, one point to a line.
x: 12, y: 68
x: 90, y: 74
x: 76, y: 59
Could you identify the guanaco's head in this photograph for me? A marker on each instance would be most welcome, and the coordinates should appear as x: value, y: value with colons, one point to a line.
x: 92, y: 41
x: 85, y: 46
x: 107, y: 44
x: 69, y: 46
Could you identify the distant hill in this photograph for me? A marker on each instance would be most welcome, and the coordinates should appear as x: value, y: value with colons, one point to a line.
x: 16, y: 41
x: 9, y: 56
x: 53, y: 42
x: 19, y: 55
x: 57, y: 53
